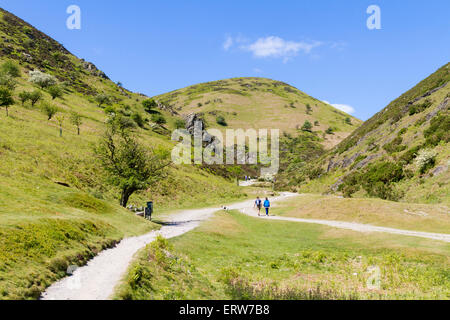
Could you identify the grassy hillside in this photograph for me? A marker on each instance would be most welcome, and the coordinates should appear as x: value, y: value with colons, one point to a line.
x: 56, y: 206
x: 401, y: 153
x: 233, y: 256
x: 260, y: 103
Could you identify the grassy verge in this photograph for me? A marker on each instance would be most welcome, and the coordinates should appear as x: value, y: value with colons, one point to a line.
x: 420, y: 217
x: 239, y: 257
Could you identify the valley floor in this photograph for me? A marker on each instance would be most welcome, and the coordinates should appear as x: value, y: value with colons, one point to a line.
x: 235, y: 256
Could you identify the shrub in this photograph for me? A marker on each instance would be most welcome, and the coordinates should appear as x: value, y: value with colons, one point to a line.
x: 418, y: 108
x: 221, y: 121
x: 376, y: 180
x: 42, y: 79
x: 55, y: 92
x: 11, y: 69
x: 8, y: 82
x: 425, y: 160
x: 24, y: 96
x: 179, y: 124
x: 307, y: 126
x: 394, y: 146
x: 102, y: 99
x: 49, y: 109
x: 348, y: 121
x: 138, y: 119
x: 109, y: 110
x: 35, y: 96
x: 316, y: 123
x: 410, y: 155
x: 6, y: 99
x: 439, y: 130
x: 159, y: 119
x: 149, y: 104
x: 331, y: 131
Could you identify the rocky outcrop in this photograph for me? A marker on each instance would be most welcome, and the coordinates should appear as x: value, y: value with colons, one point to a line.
x: 92, y: 69
x: 190, y: 121
x: 440, y: 107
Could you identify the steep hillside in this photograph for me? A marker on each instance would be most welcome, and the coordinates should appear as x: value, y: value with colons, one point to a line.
x: 260, y: 103
x: 56, y: 205
x: 400, y: 153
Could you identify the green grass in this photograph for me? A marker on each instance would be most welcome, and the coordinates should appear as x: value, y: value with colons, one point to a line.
x: 44, y: 225
x: 258, y: 103
x: 233, y: 256
x: 409, y: 216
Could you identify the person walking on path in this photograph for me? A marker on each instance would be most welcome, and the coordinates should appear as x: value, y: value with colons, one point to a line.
x: 267, y: 206
x: 258, y: 205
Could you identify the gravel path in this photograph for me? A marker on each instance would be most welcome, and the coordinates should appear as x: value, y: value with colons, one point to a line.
x: 97, y: 280
x: 360, y: 227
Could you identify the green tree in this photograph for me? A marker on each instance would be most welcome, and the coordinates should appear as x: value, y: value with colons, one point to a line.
x: 102, y: 99
x: 159, y: 119
x: 76, y: 120
x: 149, y: 104
x: 130, y: 165
x: 55, y: 91
x: 49, y: 109
x: 10, y: 68
x: 7, y: 81
x: 24, y: 96
x: 35, y: 96
x: 6, y: 99
x: 307, y: 126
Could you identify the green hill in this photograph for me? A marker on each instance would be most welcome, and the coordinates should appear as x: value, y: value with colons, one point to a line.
x: 401, y: 153
x: 260, y: 103
x: 56, y: 205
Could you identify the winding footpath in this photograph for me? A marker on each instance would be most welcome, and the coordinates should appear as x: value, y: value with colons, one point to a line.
x: 98, y: 279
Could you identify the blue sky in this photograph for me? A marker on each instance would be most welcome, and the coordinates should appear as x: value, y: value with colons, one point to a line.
x: 324, y: 48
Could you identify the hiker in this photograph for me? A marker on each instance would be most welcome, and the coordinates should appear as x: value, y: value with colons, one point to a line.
x: 267, y: 206
x: 258, y: 205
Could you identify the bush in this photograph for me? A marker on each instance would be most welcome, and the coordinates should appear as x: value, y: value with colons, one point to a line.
x: 376, y: 180
x: 329, y: 131
x: 348, y: 121
x: 35, y: 96
x: 49, y: 109
x: 410, y: 155
x: 42, y: 79
x: 307, y: 126
x: 179, y: 124
x: 148, y: 105
x: 102, y: 99
x: 439, y: 130
x: 138, y: 119
x: 221, y: 121
x: 425, y: 160
x: 159, y: 119
x: 418, y: 108
x: 55, y: 92
x: 11, y: 69
x: 394, y: 146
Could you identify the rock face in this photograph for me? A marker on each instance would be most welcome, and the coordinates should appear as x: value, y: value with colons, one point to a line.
x: 89, y: 66
x: 190, y: 121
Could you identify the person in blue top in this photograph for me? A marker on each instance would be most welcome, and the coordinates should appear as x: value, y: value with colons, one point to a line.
x: 267, y: 206
x: 258, y: 205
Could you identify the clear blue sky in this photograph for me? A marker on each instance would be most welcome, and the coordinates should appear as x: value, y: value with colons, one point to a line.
x: 321, y: 47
